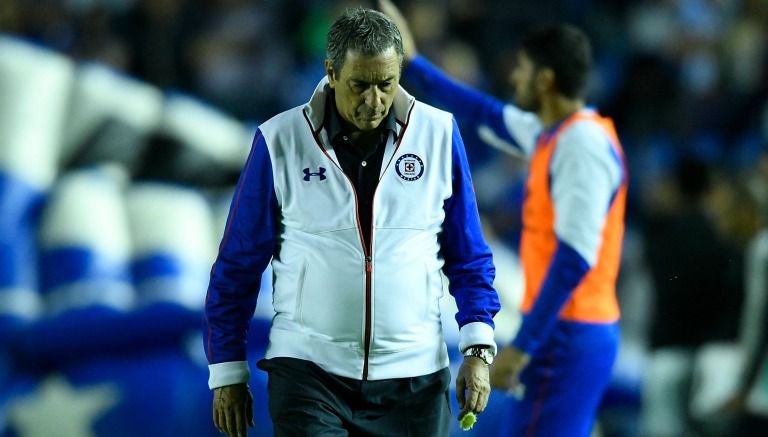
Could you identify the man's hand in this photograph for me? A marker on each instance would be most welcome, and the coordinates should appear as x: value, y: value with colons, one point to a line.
x: 409, y: 44
x: 506, y: 370
x: 233, y: 409
x: 472, y: 379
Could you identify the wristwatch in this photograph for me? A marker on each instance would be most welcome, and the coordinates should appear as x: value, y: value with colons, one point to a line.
x: 482, y: 352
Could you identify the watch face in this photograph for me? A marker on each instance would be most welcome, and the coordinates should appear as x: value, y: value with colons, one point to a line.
x: 487, y: 356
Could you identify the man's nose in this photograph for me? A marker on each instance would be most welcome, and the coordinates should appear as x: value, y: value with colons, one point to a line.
x: 373, y: 97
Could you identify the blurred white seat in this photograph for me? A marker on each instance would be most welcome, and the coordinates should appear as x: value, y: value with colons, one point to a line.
x: 100, y: 94
x: 35, y: 85
x: 207, y: 129
x: 34, y: 89
x: 85, y: 242
x: 172, y: 234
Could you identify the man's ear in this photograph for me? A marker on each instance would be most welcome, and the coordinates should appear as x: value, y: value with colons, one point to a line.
x: 331, y: 73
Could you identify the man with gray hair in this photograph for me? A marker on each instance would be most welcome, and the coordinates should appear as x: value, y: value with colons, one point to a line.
x: 358, y: 199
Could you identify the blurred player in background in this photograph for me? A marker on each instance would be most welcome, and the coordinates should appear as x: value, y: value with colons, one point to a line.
x: 362, y: 196
x: 560, y: 361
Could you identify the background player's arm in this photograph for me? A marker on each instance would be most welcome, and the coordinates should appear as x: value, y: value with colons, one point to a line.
x: 499, y: 124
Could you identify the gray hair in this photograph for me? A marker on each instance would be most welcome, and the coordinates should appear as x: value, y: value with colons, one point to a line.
x: 365, y: 31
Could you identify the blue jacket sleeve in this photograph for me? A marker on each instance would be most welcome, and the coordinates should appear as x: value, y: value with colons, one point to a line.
x: 246, y: 249
x: 565, y: 272
x: 466, y: 104
x: 468, y: 260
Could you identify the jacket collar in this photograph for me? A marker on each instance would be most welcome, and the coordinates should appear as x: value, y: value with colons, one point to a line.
x: 315, y: 109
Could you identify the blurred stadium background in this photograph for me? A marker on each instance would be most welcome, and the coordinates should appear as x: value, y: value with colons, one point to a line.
x: 124, y: 123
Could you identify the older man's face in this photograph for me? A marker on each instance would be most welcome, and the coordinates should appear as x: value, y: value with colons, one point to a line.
x: 365, y: 87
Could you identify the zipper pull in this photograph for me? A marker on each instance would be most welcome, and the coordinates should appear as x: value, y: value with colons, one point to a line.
x: 368, y: 264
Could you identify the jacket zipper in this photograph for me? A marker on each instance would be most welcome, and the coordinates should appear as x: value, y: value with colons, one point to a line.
x: 368, y: 316
x: 368, y: 269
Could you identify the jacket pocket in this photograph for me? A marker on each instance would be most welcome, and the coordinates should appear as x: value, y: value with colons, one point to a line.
x: 405, y: 306
x: 297, y: 313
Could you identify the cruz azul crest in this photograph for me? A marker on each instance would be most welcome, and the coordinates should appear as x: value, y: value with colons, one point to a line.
x: 409, y: 167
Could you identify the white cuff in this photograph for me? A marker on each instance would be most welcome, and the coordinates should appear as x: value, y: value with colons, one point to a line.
x: 229, y: 373
x: 476, y: 333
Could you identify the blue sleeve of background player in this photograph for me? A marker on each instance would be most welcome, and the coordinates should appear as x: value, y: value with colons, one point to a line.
x: 565, y: 272
x: 467, y: 104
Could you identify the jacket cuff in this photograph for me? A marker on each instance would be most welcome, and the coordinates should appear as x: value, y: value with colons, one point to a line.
x: 476, y: 333
x: 228, y: 373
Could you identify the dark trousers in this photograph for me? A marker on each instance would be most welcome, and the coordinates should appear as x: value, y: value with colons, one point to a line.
x: 305, y: 400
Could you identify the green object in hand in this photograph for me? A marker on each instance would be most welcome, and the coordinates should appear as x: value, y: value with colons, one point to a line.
x: 468, y: 421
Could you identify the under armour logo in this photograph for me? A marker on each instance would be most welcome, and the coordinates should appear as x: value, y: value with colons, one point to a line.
x: 308, y: 174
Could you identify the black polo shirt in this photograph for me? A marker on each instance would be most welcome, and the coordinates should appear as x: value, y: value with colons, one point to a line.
x: 360, y: 160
